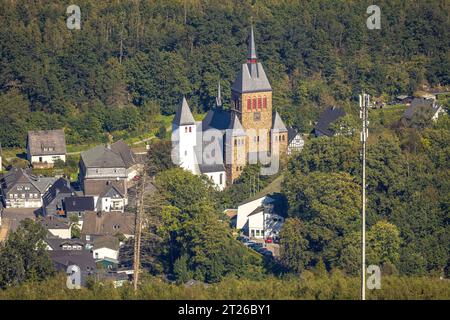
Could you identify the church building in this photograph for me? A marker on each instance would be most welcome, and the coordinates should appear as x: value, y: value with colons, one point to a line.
x: 228, y: 139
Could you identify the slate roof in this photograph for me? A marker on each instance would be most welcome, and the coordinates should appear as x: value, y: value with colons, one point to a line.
x: 111, y: 192
x: 57, y: 243
x: 79, y: 204
x: 51, y: 222
x: 292, y: 133
x: 47, y: 142
x: 183, y: 116
x: 208, y: 168
x: 110, y: 223
x: 109, y: 242
x: 61, y: 185
x: 80, y: 258
x: 19, y: 175
x: 252, y: 77
x: 121, y: 148
x: 117, y: 155
x: 330, y: 115
x: 427, y: 105
x: 277, y: 123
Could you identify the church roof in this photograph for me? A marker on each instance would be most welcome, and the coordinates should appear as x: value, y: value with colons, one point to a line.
x: 277, y: 123
x: 252, y: 77
x: 183, y: 115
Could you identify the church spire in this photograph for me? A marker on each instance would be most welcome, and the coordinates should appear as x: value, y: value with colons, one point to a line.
x: 219, y: 96
x: 252, y: 48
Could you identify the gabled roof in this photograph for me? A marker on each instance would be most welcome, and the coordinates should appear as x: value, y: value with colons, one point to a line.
x: 330, y: 115
x: 79, y: 204
x: 427, y: 105
x: 61, y: 186
x: 109, y: 242
x: 277, y: 123
x: 81, y: 258
x: 47, y: 142
x: 121, y: 148
x: 51, y: 222
x: 252, y: 77
x: 20, y: 176
x: 111, y: 192
x: 183, y: 116
x: 110, y: 223
x: 236, y: 127
x: 292, y: 133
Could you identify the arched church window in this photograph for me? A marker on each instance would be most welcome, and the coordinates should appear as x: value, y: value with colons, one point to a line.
x: 265, y: 102
x: 259, y: 103
x: 254, y: 103
x: 249, y: 104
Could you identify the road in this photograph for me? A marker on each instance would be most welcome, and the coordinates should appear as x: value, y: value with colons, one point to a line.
x: 11, y: 218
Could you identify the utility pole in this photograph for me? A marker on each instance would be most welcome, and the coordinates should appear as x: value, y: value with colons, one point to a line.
x: 363, y: 114
x: 138, y: 231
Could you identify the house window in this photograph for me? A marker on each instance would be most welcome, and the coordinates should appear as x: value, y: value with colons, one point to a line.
x: 190, y: 129
x: 185, y: 129
x: 257, y: 233
x: 265, y: 102
x: 253, y: 233
x: 88, y: 237
x: 235, y: 142
x: 249, y: 104
x: 221, y: 178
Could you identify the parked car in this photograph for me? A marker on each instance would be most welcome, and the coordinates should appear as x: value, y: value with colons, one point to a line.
x: 268, y: 240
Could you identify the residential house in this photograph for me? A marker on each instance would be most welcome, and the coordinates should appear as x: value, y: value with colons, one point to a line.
x: 130, y: 159
x: 21, y: 189
x: 296, y: 141
x: 104, y: 172
x: 324, y: 126
x: 83, y: 259
x: 78, y: 206
x: 107, y: 224
x: 54, y: 197
x: 57, y: 244
x: 262, y: 216
x: 45, y: 147
x: 264, y: 223
x: 105, y: 247
x: 111, y: 200
x: 427, y: 109
x: 57, y: 227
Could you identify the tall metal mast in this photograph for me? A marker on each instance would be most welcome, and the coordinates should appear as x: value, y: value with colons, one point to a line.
x: 364, y: 101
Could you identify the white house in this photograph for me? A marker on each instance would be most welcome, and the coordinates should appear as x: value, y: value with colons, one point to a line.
x: 57, y: 227
x: 264, y: 223
x: 45, y: 147
x: 257, y: 218
x: 295, y: 141
x: 111, y: 200
x: 105, y: 247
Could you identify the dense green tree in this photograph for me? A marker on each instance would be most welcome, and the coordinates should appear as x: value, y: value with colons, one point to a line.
x: 23, y: 257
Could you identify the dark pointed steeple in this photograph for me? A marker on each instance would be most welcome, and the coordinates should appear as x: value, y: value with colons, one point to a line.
x: 251, y: 48
x: 219, y: 96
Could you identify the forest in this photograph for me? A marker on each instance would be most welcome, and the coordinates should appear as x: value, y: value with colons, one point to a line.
x: 132, y: 60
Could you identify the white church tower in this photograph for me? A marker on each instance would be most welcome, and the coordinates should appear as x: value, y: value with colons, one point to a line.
x: 184, y: 135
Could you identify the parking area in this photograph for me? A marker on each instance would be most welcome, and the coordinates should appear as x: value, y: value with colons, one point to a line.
x: 11, y: 218
x: 259, y: 245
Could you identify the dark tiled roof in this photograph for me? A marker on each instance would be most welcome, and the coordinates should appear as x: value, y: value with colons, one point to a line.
x: 121, y: 148
x: 208, y: 168
x: 330, y: 115
x: 277, y: 123
x: 51, y: 222
x: 292, y: 133
x: 61, y: 185
x: 79, y: 204
x: 183, y: 116
x: 47, y: 142
x: 81, y: 258
x: 57, y: 243
x: 111, y: 192
x: 18, y: 175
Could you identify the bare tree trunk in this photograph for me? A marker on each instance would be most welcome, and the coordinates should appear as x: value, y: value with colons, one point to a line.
x: 137, y: 234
